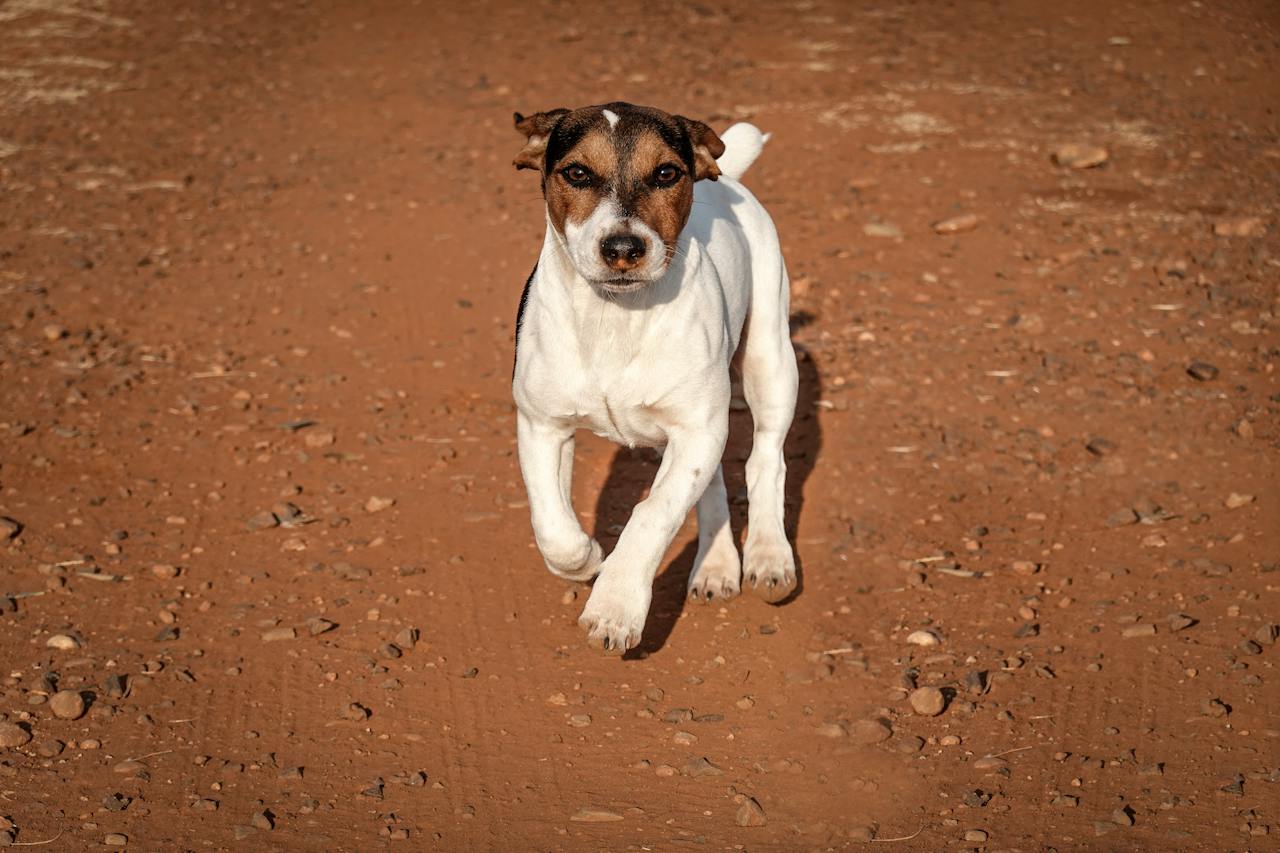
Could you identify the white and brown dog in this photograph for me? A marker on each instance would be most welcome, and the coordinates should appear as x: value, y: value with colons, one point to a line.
x: 655, y: 262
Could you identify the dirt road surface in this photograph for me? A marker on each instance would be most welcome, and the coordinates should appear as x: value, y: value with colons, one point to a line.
x: 259, y: 265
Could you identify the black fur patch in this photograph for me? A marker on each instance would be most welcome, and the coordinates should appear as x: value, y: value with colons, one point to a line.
x: 631, y: 118
x: 524, y: 303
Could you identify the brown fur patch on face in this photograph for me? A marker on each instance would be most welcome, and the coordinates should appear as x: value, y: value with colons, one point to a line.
x: 665, y: 209
x: 568, y: 203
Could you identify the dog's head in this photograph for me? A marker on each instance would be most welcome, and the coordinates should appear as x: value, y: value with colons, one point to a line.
x: 618, y: 181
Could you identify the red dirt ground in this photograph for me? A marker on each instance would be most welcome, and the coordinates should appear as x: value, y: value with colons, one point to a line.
x: 258, y: 254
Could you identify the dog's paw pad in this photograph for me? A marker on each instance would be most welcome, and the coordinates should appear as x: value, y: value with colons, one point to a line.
x: 771, y: 574
x: 610, y: 626
x: 707, y: 590
x: 610, y: 638
x: 717, y: 578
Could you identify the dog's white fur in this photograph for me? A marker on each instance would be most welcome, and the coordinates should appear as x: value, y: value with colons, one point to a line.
x: 650, y: 367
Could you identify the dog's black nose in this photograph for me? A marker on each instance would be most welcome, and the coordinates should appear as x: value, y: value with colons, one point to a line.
x: 622, y: 251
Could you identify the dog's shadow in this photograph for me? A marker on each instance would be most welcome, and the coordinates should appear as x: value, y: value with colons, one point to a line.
x: 632, y: 472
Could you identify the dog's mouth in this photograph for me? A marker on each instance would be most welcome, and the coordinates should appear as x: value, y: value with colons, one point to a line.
x: 622, y: 285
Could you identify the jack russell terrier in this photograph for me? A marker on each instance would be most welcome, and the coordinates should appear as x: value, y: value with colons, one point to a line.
x: 656, y: 262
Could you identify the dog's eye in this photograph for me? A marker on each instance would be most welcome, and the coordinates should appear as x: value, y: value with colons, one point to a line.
x: 666, y: 175
x: 578, y: 176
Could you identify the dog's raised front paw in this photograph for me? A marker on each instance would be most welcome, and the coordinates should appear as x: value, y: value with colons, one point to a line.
x: 770, y: 571
x: 614, y: 616
x: 578, y: 569
x: 717, y: 578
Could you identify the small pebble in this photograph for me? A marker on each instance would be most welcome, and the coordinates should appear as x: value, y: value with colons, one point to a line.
x: 378, y: 504
x: 882, y: 229
x: 956, y: 224
x: 9, y: 528
x: 1079, y: 155
x: 924, y: 637
x: 594, y: 815
x: 62, y: 642
x: 702, y: 767
x: 1202, y: 371
x: 67, y: 705
x: 867, y: 732
x: 1122, y: 517
x: 317, y: 625
x: 928, y: 701
x: 13, y: 735
x: 50, y: 747
x: 750, y: 814
x: 1101, y: 446
x: 911, y: 744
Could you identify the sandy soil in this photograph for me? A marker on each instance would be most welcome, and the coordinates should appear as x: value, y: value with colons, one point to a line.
x: 259, y: 265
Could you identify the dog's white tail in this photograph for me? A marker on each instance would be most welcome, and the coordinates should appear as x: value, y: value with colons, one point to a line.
x: 742, y: 145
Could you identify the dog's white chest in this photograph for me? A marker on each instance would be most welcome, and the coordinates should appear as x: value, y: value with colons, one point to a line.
x: 627, y: 368
x: 623, y: 421
x: 621, y: 406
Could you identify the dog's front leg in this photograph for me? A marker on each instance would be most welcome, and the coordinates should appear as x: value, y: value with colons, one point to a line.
x: 546, y: 461
x: 615, y: 613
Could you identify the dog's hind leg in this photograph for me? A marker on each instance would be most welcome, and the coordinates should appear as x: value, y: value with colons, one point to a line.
x: 717, y: 572
x: 769, y: 383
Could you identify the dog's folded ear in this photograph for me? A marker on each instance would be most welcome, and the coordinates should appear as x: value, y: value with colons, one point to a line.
x: 706, y: 148
x: 536, y: 129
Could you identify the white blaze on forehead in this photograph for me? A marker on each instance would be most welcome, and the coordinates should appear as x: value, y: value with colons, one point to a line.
x: 611, y: 117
